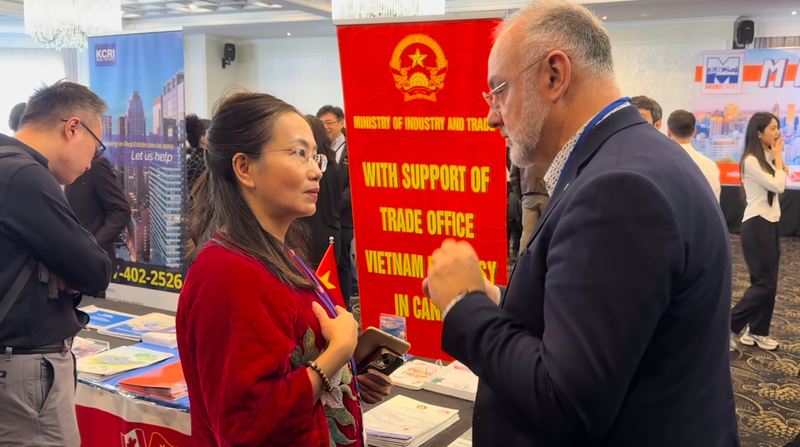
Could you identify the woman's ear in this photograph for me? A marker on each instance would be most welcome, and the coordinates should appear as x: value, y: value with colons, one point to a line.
x: 243, y: 168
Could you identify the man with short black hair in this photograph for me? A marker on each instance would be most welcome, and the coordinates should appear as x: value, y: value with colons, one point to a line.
x: 681, y: 128
x: 333, y: 119
x: 47, y: 260
x: 650, y: 110
x: 16, y: 115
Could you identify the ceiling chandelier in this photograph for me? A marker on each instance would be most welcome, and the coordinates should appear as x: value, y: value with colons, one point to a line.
x: 362, y: 9
x: 68, y: 23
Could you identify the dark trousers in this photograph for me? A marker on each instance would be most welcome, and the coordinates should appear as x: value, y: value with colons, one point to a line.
x: 343, y: 264
x: 762, y: 253
x: 514, y: 234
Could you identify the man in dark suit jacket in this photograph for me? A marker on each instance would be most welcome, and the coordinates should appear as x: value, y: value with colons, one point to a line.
x: 614, y: 328
x: 100, y: 205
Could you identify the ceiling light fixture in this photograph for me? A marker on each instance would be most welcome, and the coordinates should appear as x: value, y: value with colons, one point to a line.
x: 605, y: 17
x: 68, y: 23
x: 362, y: 9
x: 288, y: 34
x: 266, y: 5
x: 794, y: 13
x: 192, y: 6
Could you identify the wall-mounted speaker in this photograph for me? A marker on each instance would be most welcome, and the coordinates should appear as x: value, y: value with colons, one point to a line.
x: 745, y: 32
x: 228, y: 54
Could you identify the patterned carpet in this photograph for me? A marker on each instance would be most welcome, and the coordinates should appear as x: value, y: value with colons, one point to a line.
x: 766, y: 384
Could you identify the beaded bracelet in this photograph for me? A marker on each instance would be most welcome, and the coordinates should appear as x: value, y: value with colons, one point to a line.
x: 325, y: 382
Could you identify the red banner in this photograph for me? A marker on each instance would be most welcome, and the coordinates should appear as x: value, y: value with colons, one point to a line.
x: 424, y: 164
x: 107, y: 419
x: 100, y: 428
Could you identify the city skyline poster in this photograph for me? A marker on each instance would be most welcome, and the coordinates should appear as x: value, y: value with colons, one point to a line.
x: 141, y: 77
x: 731, y: 86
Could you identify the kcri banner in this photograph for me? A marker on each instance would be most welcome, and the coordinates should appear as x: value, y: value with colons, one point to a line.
x: 730, y: 86
x: 141, y: 78
x: 424, y: 164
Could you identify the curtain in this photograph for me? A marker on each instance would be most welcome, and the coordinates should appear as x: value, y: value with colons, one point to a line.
x: 776, y: 42
x: 25, y: 69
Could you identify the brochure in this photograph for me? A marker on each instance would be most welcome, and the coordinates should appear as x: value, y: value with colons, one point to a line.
x: 133, y: 329
x: 405, y: 422
x: 454, y: 380
x: 84, y: 347
x: 118, y: 361
x: 102, y: 318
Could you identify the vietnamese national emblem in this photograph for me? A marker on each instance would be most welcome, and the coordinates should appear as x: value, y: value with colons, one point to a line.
x: 419, y: 67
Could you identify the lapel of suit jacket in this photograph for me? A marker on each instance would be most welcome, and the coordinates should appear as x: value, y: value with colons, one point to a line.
x: 582, y: 155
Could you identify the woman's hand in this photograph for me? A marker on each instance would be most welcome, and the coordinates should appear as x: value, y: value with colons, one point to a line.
x: 341, y: 332
x: 374, y: 386
x: 777, y: 152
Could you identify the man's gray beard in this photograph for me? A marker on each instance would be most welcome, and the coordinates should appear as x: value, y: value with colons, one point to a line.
x: 522, y: 144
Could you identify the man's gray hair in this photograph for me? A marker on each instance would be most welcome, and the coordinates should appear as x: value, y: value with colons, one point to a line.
x: 550, y: 25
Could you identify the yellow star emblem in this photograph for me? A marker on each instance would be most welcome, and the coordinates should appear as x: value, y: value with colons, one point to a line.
x: 417, y: 58
x: 325, y: 280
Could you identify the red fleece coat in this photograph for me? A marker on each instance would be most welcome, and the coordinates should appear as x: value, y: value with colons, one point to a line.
x: 244, y: 338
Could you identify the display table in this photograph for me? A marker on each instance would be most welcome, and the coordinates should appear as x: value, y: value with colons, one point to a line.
x: 733, y: 204
x: 108, y: 417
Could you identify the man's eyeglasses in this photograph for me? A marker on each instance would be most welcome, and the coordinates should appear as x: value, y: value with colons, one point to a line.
x: 490, y: 96
x: 304, y: 160
x: 101, y: 148
x: 330, y: 123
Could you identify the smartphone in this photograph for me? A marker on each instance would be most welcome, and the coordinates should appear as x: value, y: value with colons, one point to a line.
x: 379, y: 351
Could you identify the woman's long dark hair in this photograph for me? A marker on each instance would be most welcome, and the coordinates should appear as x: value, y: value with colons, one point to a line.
x: 243, y: 123
x: 324, y: 145
x: 752, y: 146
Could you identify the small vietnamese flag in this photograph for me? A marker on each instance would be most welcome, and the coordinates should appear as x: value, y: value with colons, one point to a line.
x: 328, y: 275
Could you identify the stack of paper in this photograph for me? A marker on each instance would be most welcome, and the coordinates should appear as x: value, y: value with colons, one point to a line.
x: 165, y: 337
x: 464, y: 440
x: 164, y: 383
x: 413, y: 374
x: 134, y: 328
x: 117, y: 361
x: 103, y: 318
x: 405, y: 422
x: 84, y: 347
x: 455, y: 380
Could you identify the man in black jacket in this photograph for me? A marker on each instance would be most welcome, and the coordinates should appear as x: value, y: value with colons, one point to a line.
x: 46, y: 260
x: 614, y: 328
x: 100, y: 205
x: 333, y: 119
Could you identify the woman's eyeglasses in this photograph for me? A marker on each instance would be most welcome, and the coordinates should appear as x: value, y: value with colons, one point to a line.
x: 101, y: 148
x: 305, y: 160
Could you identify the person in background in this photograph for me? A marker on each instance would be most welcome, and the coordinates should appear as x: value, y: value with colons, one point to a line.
x: 514, y: 224
x: 46, y: 260
x: 196, y: 137
x: 100, y: 205
x: 681, y: 127
x: 333, y: 119
x: 265, y: 352
x: 612, y: 329
x: 326, y: 222
x: 763, y: 178
x: 16, y: 115
x: 530, y: 189
x: 650, y: 110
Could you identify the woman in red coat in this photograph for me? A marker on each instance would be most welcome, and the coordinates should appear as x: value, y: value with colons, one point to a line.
x: 265, y: 351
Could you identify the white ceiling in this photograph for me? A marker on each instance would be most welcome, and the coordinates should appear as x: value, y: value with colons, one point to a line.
x: 252, y: 19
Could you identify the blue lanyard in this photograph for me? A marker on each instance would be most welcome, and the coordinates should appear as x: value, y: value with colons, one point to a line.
x: 597, y: 118
x: 326, y: 300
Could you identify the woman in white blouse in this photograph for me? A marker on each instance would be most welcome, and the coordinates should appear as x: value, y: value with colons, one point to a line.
x: 763, y: 177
